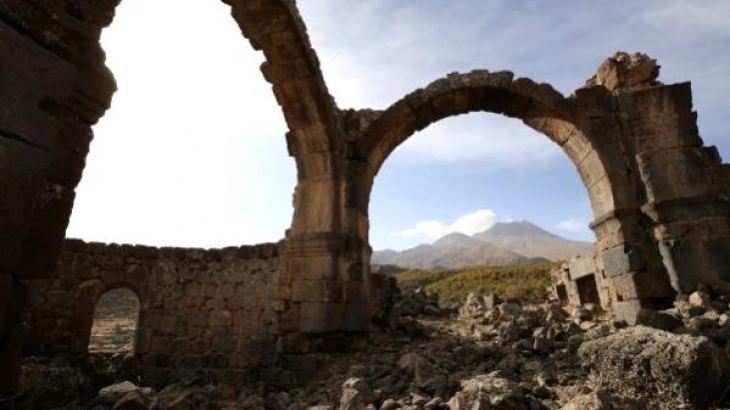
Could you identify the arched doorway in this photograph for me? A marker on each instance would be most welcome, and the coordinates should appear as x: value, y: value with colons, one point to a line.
x: 116, y: 319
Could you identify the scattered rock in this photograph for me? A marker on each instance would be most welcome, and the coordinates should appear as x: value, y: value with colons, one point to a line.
x: 489, y: 392
x: 700, y: 299
x: 603, y: 400
x: 389, y: 404
x: 113, y: 393
x: 474, y: 306
x: 174, y: 397
x: 50, y: 385
x: 356, y: 395
x: 134, y: 400
x: 669, y: 371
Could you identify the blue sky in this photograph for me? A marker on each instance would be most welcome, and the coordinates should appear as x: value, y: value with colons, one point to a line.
x: 192, y: 152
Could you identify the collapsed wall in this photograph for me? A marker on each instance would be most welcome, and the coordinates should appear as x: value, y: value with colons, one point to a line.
x: 210, y: 310
x: 579, y: 282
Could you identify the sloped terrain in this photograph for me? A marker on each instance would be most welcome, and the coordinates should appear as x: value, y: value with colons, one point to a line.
x: 513, y: 243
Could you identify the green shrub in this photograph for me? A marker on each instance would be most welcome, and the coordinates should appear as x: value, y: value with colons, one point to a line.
x: 524, y: 282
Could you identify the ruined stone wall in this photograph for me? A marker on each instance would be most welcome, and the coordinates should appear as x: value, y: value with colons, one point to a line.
x: 210, y: 310
x: 581, y: 281
x: 660, y: 198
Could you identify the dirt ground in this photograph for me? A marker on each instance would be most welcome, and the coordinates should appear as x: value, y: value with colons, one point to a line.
x: 113, y: 335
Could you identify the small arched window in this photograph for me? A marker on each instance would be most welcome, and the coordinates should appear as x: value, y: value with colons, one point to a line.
x: 115, y: 322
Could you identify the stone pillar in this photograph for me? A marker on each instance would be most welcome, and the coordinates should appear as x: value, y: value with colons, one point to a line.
x: 54, y: 86
x: 628, y: 265
x: 687, y: 199
x: 326, y: 293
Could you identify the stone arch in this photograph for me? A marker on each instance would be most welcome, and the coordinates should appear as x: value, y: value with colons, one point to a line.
x: 539, y: 106
x: 589, y: 129
x: 88, y: 295
x: 121, y: 294
x: 53, y: 121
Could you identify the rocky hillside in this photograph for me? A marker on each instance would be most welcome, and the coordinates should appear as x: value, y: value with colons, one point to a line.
x: 453, y: 251
x: 513, y: 243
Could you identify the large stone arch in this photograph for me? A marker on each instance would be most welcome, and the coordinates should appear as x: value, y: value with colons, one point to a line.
x: 78, y: 89
x: 582, y: 125
x: 56, y: 86
x: 539, y: 106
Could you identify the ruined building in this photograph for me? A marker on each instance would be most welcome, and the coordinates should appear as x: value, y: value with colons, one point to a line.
x: 659, y: 196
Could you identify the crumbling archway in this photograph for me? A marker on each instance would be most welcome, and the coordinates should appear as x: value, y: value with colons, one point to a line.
x: 539, y: 106
x: 586, y: 139
x: 60, y: 87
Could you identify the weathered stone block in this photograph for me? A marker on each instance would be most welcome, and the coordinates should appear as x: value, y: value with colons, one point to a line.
x: 318, y: 317
x: 621, y: 260
x: 645, y: 284
x: 697, y: 259
x: 35, y: 75
x: 580, y: 267
x: 21, y: 184
x: 678, y: 173
x: 356, y: 318
x: 308, y: 290
x: 669, y: 371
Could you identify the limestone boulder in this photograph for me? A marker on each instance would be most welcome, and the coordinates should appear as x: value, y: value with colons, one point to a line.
x: 602, y: 400
x: 490, y: 392
x: 356, y: 394
x: 474, y: 306
x: 133, y: 400
x: 669, y: 371
x: 174, y: 397
x: 113, y: 393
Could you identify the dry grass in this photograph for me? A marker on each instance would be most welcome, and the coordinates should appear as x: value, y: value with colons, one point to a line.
x: 113, y: 335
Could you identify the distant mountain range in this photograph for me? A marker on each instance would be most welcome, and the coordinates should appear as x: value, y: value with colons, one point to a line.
x: 505, y: 243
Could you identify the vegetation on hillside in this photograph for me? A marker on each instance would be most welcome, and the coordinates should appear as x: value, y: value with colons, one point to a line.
x: 525, y: 282
x: 118, y: 304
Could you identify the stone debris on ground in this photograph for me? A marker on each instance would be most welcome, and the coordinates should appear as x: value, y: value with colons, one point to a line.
x: 488, y: 354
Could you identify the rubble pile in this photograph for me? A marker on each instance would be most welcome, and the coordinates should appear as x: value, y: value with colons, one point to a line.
x: 487, y: 354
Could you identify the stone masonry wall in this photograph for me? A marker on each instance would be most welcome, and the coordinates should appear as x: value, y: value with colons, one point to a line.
x: 210, y: 310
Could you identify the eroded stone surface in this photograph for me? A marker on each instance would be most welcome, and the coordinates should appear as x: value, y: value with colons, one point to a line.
x: 667, y: 370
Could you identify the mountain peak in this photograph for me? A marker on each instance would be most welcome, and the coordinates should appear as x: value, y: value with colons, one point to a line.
x: 517, y: 228
x: 456, y: 239
x: 528, y: 239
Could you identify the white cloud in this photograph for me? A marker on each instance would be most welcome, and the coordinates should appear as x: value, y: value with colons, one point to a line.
x: 468, y: 224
